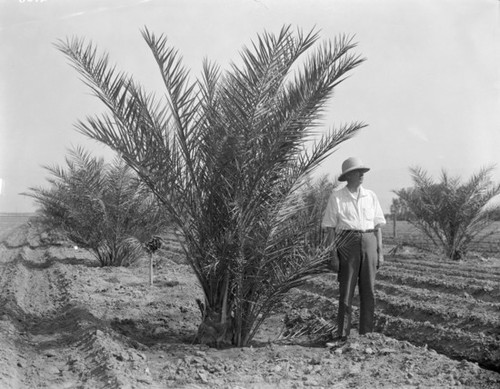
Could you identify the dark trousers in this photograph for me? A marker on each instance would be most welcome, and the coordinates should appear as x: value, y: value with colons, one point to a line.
x: 358, y: 266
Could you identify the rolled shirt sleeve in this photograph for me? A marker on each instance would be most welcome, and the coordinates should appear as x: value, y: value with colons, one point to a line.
x: 379, y: 218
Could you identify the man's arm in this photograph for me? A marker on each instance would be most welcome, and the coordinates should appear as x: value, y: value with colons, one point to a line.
x: 379, y: 221
x: 380, y: 251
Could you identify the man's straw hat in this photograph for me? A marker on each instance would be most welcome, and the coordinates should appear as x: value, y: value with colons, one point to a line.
x: 351, y: 164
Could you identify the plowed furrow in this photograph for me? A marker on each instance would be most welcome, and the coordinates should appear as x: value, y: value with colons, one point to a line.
x: 425, y: 269
x: 463, y: 300
x: 417, y: 304
x: 454, y: 343
x: 9, y: 373
x: 425, y: 310
x: 451, y: 316
x: 46, y: 337
x: 472, y: 268
x: 482, y: 291
x: 7, y: 254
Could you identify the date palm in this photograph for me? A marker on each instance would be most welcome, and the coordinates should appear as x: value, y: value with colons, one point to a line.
x: 450, y: 212
x: 226, y: 155
x: 102, y: 207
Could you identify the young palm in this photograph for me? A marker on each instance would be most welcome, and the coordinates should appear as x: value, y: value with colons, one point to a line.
x: 226, y: 155
x: 451, y: 213
x: 101, y: 207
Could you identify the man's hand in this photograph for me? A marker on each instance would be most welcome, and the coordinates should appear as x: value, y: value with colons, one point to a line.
x: 380, y: 259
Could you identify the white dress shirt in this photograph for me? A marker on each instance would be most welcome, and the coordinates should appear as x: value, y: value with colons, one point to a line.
x: 353, y: 211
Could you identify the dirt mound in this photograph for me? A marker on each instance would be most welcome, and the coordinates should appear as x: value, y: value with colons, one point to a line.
x: 32, y: 234
x: 66, y: 323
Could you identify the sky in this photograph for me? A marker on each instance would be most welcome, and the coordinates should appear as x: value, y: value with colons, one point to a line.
x: 429, y: 89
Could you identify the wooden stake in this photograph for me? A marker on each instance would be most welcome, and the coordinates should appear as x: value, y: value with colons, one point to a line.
x: 150, y: 269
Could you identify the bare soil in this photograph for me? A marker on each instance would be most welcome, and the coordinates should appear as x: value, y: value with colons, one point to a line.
x: 67, y: 323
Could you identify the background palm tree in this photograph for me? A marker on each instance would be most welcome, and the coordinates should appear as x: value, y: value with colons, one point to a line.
x: 315, y: 195
x: 101, y: 207
x: 226, y: 155
x: 451, y: 213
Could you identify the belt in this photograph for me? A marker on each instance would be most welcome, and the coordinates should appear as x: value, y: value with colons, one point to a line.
x: 357, y: 231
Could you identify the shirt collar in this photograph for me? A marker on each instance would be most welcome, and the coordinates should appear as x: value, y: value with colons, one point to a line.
x: 362, y: 192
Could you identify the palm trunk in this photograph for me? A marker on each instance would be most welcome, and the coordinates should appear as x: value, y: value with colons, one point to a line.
x: 216, y: 327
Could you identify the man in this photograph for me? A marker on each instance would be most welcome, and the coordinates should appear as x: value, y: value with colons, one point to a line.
x: 353, y: 218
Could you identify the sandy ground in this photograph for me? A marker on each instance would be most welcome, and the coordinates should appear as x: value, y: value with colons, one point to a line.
x: 67, y: 323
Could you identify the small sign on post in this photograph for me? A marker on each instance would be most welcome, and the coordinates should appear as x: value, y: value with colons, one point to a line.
x: 151, y: 247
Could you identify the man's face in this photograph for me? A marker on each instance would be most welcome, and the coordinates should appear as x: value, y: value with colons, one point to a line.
x: 355, y: 177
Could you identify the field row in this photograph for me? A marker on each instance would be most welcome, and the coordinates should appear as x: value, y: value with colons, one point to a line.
x: 425, y: 296
x: 463, y: 288
x: 485, y: 248
x: 485, y: 291
x: 457, y: 274
x: 407, y: 234
x: 424, y: 306
x: 480, y: 347
x: 452, y: 342
x: 453, y: 308
x: 470, y: 269
x: 459, y: 317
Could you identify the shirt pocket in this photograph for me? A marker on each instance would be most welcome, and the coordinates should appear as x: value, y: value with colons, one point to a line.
x: 369, y: 213
x: 347, y: 212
